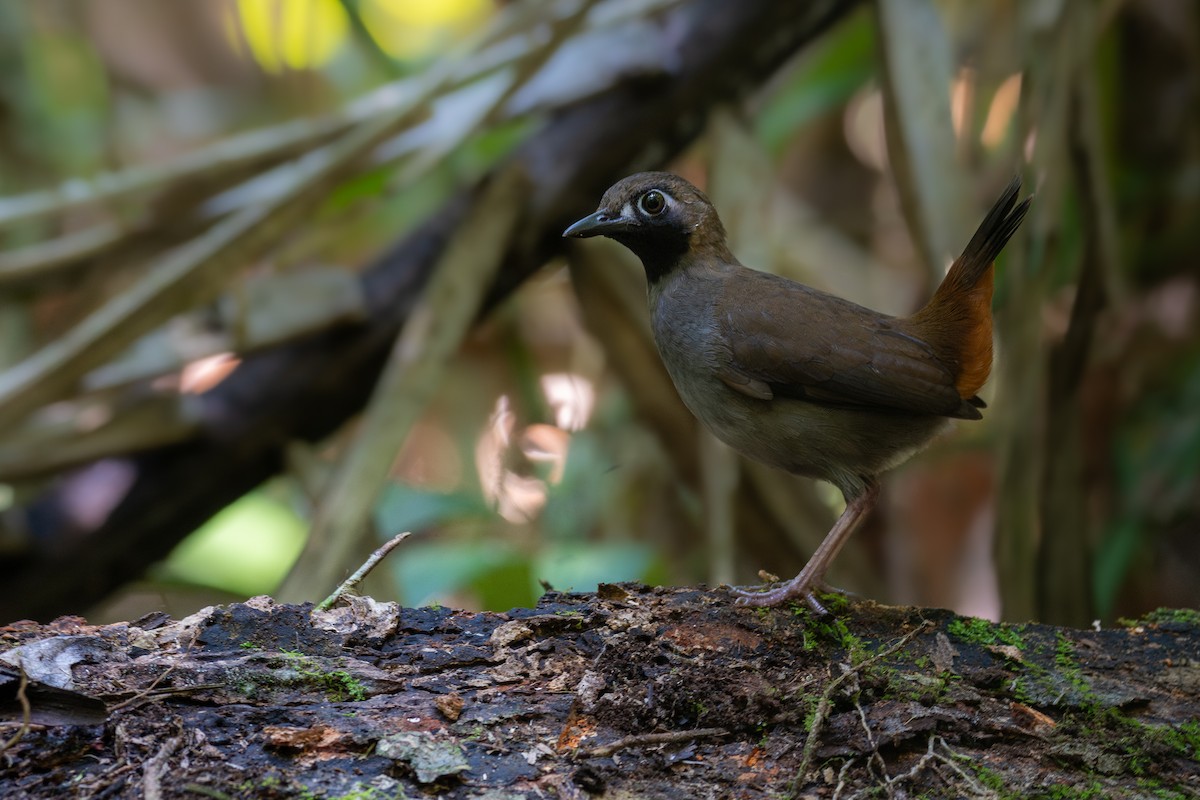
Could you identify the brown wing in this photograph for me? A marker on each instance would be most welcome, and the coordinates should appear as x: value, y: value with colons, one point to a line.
x: 789, y: 340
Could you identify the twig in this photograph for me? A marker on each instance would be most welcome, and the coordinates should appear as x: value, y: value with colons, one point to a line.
x: 975, y: 786
x: 180, y: 690
x: 156, y: 765
x: 168, y: 692
x: 363, y: 571
x: 26, y: 712
x: 930, y: 755
x: 643, y: 739
x: 826, y: 702
x: 841, y: 779
x: 875, y: 759
x: 149, y: 689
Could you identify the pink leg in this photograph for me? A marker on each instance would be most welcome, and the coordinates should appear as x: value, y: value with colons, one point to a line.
x: 811, y: 578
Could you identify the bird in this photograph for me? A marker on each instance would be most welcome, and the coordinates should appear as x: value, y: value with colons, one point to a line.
x: 794, y: 377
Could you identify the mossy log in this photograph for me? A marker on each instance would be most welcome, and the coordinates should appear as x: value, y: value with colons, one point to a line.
x: 631, y: 692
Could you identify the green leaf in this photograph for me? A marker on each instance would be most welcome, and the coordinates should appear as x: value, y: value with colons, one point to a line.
x: 246, y: 549
x: 836, y: 68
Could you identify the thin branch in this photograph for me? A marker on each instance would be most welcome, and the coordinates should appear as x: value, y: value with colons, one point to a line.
x: 156, y: 767
x: 50, y: 257
x: 354, y: 580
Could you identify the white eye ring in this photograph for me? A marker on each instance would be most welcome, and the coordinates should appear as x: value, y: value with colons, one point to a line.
x: 652, y: 203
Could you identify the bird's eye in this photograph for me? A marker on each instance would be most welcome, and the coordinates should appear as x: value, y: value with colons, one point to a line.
x: 653, y: 203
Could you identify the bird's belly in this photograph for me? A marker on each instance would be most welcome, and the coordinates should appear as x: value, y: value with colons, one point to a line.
x: 842, y: 445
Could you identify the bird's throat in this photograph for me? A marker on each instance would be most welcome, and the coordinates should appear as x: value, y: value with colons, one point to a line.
x: 661, y: 255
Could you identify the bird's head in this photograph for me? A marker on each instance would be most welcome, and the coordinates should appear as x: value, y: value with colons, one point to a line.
x: 661, y: 217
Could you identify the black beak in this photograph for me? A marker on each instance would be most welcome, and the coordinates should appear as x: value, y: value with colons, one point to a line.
x: 598, y: 224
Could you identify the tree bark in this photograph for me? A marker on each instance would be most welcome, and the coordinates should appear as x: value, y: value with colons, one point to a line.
x: 630, y: 692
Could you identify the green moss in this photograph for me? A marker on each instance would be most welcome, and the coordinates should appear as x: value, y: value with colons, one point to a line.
x: 1140, y: 744
x: 1069, y: 671
x: 1156, y: 790
x: 826, y: 630
x: 981, y: 632
x: 1189, y: 617
x: 296, y: 670
x: 340, y: 684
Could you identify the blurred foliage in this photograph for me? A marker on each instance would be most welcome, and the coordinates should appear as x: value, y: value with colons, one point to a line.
x: 531, y: 465
x: 246, y: 549
x: 833, y: 71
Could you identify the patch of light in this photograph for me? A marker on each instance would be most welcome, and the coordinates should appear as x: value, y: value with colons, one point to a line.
x: 409, y: 29
x: 517, y: 498
x: 571, y: 398
x: 290, y: 34
x: 961, y: 92
x: 1000, y: 114
x: 204, y: 373
x: 547, y: 444
x: 863, y: 126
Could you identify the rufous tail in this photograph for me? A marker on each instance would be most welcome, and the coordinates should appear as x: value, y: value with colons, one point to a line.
x: 959, y: 316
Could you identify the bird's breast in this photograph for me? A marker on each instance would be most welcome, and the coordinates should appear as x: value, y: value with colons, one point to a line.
x: 685, y: 331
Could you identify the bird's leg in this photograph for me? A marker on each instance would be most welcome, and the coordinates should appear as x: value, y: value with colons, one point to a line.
x: 811, y: 578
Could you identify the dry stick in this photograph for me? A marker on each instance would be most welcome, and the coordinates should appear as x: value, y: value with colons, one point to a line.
x: 929, y: 756
x: 875, y: 759
x: 841, y: 778
x: 826, y: 701
x: 156, y: 765
x: 434, y: 331
x: 363, y: 571
x: 976, y: 787
x: 154, y: 683
x: 643, y: 739
x: 149, y: 689
x: 26, y: 712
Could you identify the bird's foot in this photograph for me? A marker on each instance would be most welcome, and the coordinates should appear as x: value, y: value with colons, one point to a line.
x: 799, y: 587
